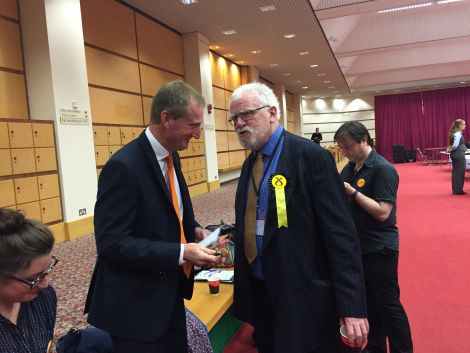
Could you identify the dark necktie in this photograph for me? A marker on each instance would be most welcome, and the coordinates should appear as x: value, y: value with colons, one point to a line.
x: 251, y: 206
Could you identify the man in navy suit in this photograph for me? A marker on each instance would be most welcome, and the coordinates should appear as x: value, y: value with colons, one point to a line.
x: 140, y: 279
x: 298, y: 271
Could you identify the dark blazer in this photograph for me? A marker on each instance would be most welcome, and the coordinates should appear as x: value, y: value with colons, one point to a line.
x: 137, y: 278
x: 312, y: 268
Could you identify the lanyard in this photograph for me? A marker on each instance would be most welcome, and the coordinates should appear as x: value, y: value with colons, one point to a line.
x: 263, y: 175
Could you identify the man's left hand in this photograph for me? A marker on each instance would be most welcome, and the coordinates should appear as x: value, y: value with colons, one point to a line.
x: 357, y: 330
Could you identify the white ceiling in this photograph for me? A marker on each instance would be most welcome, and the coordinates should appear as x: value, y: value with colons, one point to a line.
x: 358, y: 50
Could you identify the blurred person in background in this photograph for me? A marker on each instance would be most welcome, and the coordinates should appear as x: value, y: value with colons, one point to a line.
x: 457, y: 150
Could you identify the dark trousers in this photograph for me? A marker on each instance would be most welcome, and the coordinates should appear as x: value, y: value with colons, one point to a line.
x: 263, y: 333
x: 458, y: 171
x: 173, y: 341
x: 387, y: 317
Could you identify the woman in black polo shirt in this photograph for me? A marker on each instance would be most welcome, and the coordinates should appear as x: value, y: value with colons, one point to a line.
x: 27, y: 302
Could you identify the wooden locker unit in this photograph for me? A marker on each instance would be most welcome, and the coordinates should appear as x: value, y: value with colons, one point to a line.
x: 26, y: 190
x: 45, y: 159
x: 100, y: 135
x: 48, y: 186
x: 31, y: 210
x: 113, y: 149
x: 43, y: 135
x: 23, y: 161
x: 126, y: 135
x: 4, y: 139
x: 7, y: 193
x: 51, y: 210
x: 20, y: 135
x: 114, y: 135
x: 101, y: 154
x: 136, y: 131
x: 5, y: 166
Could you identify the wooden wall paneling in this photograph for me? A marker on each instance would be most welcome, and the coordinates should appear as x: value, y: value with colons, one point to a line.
x: 289, y: 101
x: 147, y: 104
x: 221, y: 122
x: 236, y: 157
x: 223, y: 160
x: 46, y: 160
x: 290, y: 116
x: 114, y: 135
x: 218, y: 69
x: 159, y: 46
x: 31, y: 210
x: 9, y: 8
x: 20, y: 135
x: 267, y: 83
x: 100, y: 135
x: 115, y: 107
x: 152, y: 79
x: 10, y: 45
x: 113, y: 149
x: 51, y: 210
x: 4, y: 139
x: 109, y: 70
x: 26, y: 189
x: 43, y: 135
x: 98, y: 172
x: 13, y: 96
x: 22, y: 160
x: 48, y: 186
x: 126, y: 135
x: 5, y: 166
x: 233, y: 78
x: 7, y: 193
x: 233, y: 142
x: 219, y: 98
x: 110, y: 25
x: 101, y: 155
x: 136, y: 131
x: 290, y: 126
x: 221, y: 138
x: 227, y: 94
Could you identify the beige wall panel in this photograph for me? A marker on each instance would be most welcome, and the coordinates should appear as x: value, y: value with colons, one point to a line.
x: 290, y: 126
x: 100, y: 135
x: 115, y: 107
x: 109, y: 24
x: 105, y: 69
x: 221, y: 122
x: 22, y: 160
x: 290, y: 116
x: 236, y: 157
x: 30, y: 210
x: 10, y: 45
x: 228, y: 95
x: 232, y: 79
x: 7, y: 193
x: 12, y: 96
x: 219, y: 97
x: 159, y: 46
x: 51, y: 210
x: 20, y: 135
x: 45, y: 159
x: 221, y: 138
x: 48, y: 186
x: 9, y: 8
x: 233, y: 142
x: 222, y: 160
x: 4, y: 139
x: 26, y: 190
x: 218, y: 69
x: 5, y: 162
x: 43, y: 135
x: 289, y: 101
x: 147, y: 104
x: 153, y: 79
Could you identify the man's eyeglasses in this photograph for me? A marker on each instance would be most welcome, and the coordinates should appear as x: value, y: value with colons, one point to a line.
x: 34, y: 282
x: 245, y: 115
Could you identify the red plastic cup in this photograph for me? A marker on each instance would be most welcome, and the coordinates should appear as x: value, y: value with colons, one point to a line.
x: 214, y: 283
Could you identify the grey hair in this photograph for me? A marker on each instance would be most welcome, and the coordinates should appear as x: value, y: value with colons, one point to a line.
x: 261, y: 92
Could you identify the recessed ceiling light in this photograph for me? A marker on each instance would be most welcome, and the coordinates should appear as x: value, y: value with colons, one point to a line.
x: 214, y: 47
x: 273, y: 65
x: 255, y: 51
x: 331, y: 87
x: 462, y: 82
x: 240, y: 62
x: 304, y: 87
x: 446, y: 1
x: 188, y: 2
x: 319, y: 75
x: 298, y: 81
x: 378, y: 91
x: 408, y: 7
x: 289, y: 36
x: 327, y: 81
x: 287, y: 74
x: 229, y: 55
x: 303, y: 53
x: 229, y: 32
x: 335, y: 91
x: 267, y: 8
x: 314, y: 65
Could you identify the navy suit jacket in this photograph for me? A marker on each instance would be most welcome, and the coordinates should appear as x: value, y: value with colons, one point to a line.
x: 312, y: 268
x: 137, y: 278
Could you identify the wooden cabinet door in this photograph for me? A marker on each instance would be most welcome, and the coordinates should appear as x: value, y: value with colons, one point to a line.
x: 45, y: 159
x: 126, y: 135
x: 100, y: 135
x: 136, y: 131
x: 22, y: 160
x: 4, y: 139
x: 48, y: 186
x: 114, y: 135
x: 30, y: 210
x: 20, y: 135
x: 113, y: 150
x: 101, y: 154
x: 5, y: 162
x: 26, y: 190
x: 43, y: 135
x: 7, y: 193
x: 51, y: 210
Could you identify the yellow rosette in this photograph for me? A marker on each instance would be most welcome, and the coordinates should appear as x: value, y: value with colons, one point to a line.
x: 279, y: 182
x: 360, y: 183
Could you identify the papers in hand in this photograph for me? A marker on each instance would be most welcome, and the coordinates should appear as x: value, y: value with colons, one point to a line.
x: 224, y: 275
x: 210, y: 239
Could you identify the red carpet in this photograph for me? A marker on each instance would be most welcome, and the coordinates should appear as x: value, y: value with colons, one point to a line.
x: 434, y: 263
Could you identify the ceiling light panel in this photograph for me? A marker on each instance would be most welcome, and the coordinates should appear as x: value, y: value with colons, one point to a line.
x: 408, y: 7
x: 289, y: 36
x: 267, y: 8
x: 229, y: 32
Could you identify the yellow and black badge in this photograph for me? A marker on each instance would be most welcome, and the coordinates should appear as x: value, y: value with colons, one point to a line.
x: 360, y: 183
x: 279, y: 183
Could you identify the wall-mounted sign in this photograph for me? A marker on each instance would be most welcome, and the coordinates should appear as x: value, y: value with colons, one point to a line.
x: 74, y: 116
x: 209, y: 127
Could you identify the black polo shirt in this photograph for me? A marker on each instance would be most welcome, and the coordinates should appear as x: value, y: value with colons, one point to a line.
x: 378, y: 180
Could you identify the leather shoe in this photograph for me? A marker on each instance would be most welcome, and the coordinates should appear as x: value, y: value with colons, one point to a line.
x: 460, y: 193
